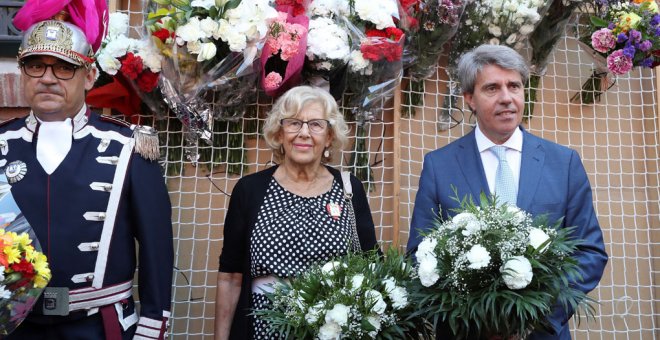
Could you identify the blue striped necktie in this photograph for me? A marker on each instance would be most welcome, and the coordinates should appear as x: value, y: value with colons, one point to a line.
x: 506, y: 188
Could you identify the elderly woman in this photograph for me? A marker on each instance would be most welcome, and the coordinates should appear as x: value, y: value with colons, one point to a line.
x: 283, y: 219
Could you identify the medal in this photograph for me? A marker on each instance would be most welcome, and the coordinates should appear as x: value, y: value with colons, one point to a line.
x: 334, y: 210
x: 15, y: 171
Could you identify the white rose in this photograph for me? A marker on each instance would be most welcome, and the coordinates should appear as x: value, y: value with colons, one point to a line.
x: 207, y: 52
x: 374, y: 320
x: 426, y: 248
x: 356, y: 282
x: 511, y: 39
x: 338, y: 314
x: 494, y: 41
x: 428, y: 271
x: 329, y: 331
x: 377, y: 298
x: 478, y: 257
x: 313, y: 313
x: 537, y: 237
x: 329, y: 268
x: 194, y: 47
x: 517, y: 272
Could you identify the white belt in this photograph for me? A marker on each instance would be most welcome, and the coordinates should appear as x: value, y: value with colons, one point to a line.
x: 265, y: 284
x: 87, y: 298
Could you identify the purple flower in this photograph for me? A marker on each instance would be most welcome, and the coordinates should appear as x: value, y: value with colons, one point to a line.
x: 644, y: 45
x: 635, y: 35
x: 618, y: 63
x: 602, y: 40
x: 657, y: 31
x: 629, y: 50
x: 621, y: 38
x: 647, y: 62
x: 655, y: 20
x: 611, y: 26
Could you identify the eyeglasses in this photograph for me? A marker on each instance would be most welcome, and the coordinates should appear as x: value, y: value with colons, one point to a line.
x: 314, y: 125
x: 37, y: 69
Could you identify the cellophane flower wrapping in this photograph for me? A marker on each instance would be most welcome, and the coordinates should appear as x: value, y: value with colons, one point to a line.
x: 626, y: 34
x: 375, y: 66
x: 328, y: 46
x: 430, y: 24
x: 24, y: 270
x: 357, y: 296
x: 210, y: 48
x: 284, y: 51
x: 491, y: 258
x: 129, y: 71
x: 542, y: 42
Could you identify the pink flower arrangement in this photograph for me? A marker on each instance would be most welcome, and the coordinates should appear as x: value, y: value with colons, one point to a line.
x: 273, y: 80
x: 603, y: 40
x: 284, y: 37
x: 619, y: 63
x: 284, y: 52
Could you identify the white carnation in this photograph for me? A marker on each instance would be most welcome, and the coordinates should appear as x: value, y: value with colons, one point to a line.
x: 428, y: 271
x: 377, y: 298
x: 377, y: 12
x: 537, y: 237
x: 108, y: 64
x: 374, y: 320
x: 207, y: 51
x: 326, y: 40
x: 517, y: 272
x: 495, y: 30
x: 338, y: 314
x: 118, y: 47
x: 327, y: 8
x: 209, y: 27
x: 206, y: 4
x: 2, y: 273
x: 4, y: 292
x: 313, y: 313
x: 478, y: 257
x: 356, y: 282
x: 426, y: 248
x: 191, y: 31
x: 329, y: 331
x: 117, y: 25
x: 358, y: 64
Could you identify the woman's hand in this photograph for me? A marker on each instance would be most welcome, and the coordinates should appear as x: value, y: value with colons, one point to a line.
x: 227, y: 293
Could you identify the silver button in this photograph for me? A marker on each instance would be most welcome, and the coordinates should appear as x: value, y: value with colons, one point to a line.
x: 94, y: 246
x: 102, y: 216
x: 3, y: 143
x: 107, y: 187
x: 89, y: 278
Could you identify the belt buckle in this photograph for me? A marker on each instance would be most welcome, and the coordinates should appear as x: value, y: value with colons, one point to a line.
x: 56, y: 301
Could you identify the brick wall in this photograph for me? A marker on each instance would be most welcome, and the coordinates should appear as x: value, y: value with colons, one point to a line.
x: 11, y: 98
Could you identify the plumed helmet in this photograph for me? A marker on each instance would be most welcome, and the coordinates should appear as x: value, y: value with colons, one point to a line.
x: 59, y: 39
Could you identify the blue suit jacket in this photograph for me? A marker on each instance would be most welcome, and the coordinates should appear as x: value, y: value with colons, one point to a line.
x: 552, y: 181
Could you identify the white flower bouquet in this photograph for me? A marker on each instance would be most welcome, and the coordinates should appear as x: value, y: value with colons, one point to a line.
x: 210, y: 47
x: 492, y: 270
x: 362, y: 296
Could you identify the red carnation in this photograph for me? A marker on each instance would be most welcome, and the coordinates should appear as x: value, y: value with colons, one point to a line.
x: 372, y: 32
x: 25, y: 268
x: 394, y: 33
x: 163, y: 34
x: 131, y: 65
x: 147, y: 81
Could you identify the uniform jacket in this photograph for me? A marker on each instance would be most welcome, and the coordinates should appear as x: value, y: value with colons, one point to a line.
x: 244, y: 205
x: 90, y: 211
x: 552, y: 181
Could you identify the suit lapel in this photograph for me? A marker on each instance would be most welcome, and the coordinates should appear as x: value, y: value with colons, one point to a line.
x: 469, y: 161
x: 531, y: 166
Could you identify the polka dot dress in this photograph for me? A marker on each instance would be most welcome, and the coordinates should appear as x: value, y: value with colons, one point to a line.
x: 292, y: 232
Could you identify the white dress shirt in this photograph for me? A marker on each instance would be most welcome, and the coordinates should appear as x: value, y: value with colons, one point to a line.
x: 489, y: 160
x: 54, y: 142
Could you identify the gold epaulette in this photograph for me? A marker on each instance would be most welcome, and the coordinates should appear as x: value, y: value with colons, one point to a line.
x: 146, y: 142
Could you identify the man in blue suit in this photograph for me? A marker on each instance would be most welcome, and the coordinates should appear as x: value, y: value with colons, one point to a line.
x: 548, y: 178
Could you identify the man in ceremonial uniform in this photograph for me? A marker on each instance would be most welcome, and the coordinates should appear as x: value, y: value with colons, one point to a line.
x: 91, y: 187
